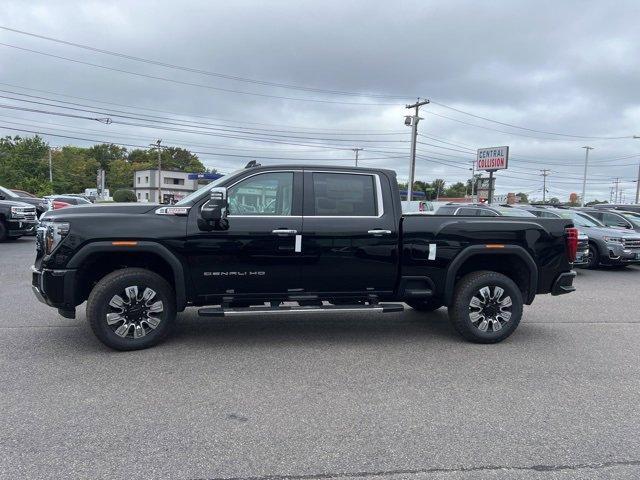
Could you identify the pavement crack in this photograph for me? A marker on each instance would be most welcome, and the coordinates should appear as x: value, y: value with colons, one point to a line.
x: 385, y: 473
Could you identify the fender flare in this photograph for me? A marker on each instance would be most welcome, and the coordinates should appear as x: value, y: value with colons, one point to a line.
x: 475, y: 250
x: 141, y: 246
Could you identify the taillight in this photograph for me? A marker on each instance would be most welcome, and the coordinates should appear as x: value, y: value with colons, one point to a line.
x: 571, y: 236
x: 57, y: 204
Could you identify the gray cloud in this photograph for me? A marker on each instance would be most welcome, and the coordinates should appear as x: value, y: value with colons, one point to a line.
x: 556, y: 66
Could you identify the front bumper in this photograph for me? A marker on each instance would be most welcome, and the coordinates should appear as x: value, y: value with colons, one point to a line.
x: 564, y: 283
x: 618, y: 254
x: 20, y: 228
x: 582, y: 258
x: 55, y: 288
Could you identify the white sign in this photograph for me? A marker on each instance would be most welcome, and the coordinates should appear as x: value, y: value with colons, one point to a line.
x: 494, y: 158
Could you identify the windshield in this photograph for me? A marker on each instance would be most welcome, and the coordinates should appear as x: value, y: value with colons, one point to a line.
x: 192, y: 196
x: 579, y: 219
x: 8, y: 193
x: 634, y: 218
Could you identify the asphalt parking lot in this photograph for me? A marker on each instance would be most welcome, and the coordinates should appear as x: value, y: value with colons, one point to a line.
x: 316, y: 396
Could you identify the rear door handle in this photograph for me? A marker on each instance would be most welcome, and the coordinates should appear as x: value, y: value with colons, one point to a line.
x: 379, y: 232
x: 284, y: 232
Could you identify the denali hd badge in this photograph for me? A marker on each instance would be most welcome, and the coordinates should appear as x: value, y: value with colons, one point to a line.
x: 232, y: 274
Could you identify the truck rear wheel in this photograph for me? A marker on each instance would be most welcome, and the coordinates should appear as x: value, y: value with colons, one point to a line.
x: 131, y: 309
x: 487, y: 307
x: 424, y: 305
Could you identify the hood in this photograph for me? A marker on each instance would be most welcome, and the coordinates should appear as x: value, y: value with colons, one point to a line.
x: 100, y: 208
x: 30, y: 200
x: 609, y: 232
x: 14, y: 203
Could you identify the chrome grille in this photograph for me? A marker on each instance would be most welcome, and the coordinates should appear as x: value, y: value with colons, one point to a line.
x: 632, y: 243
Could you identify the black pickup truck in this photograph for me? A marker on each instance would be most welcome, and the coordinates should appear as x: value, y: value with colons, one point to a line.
x: 284, y: 239
x: 16, y: 219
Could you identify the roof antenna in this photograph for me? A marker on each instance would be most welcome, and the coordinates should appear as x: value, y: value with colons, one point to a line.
x: 252, y: 164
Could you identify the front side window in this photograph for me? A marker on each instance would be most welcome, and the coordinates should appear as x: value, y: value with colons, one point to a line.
x: 262, y: 194
x: 344, y: 195
x: 467, y: 212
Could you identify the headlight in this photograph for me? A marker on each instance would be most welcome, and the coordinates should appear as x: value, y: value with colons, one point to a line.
x: 614, y: 240
x: 50, y: 234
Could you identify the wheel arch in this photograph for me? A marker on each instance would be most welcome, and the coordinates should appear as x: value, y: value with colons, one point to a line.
x: 517, y: 265
x: 95, y: 260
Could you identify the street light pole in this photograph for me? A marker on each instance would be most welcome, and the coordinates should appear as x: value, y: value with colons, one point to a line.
x: 414, y: 139
x: 584, y: 178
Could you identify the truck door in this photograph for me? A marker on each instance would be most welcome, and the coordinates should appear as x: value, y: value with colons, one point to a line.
x: 256, y: 254
x: 350, y: 233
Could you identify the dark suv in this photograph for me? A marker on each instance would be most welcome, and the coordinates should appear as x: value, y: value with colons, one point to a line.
x: 615, y: 218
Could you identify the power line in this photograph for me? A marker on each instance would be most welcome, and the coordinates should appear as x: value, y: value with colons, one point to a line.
x: 191, y: 84
x: 581, y: 137
x: 200, y: 71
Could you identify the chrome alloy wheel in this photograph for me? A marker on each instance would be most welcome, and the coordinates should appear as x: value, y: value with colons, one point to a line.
x: 490, y: 309
x: 137, y: 315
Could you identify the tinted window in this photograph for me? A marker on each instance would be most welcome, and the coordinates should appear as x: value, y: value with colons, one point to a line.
x: 487, y: 213
x: 262, y: 194
x: 467, y: 212
x: 613, y: 220
x: 344, y: 194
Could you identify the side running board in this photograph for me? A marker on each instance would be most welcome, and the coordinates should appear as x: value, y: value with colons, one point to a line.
x: 225, y: 312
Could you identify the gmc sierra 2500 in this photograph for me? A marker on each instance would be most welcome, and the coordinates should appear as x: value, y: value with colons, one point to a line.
x: 294, y: 239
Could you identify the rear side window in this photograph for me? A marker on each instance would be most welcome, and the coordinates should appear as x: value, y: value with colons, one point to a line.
x: 344, y: 195
x: 468, y: 212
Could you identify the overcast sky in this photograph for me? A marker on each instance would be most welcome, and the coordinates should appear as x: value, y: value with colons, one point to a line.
x: 570, y: 68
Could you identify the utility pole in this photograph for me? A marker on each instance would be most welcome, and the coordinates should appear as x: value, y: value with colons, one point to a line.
x: 545, y: 174
x: 50, y: 168
x: 412, y: 120
x: 357, y: 150
x: 159, y: 149
x: 584, y: 178
x: 617, y: 182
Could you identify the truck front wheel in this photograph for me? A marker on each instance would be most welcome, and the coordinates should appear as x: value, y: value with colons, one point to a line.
x: 486, y: 307
x: 131, y: 309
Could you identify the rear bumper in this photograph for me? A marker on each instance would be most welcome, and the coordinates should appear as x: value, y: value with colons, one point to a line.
x: 54, y: 288
x: 582, y: 258
x: 564, y: 283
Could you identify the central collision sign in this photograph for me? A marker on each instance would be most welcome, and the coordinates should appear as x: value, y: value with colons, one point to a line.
x: 493, y: 158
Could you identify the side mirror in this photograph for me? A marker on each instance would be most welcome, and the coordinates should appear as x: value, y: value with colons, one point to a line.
x: 214, y: 211
x: 2, y: 197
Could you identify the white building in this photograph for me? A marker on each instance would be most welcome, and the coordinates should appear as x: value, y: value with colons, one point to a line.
x: 175, y: 185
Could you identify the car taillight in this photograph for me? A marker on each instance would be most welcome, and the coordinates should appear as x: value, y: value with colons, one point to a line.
x: 57, y: 204
x: 571, y: 236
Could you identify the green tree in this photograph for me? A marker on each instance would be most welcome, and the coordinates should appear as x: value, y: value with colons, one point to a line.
x: 124, y: 196
x: 73, y: 170
x: 524, y: 198
x: 458, y: 189
x: 24, y: 164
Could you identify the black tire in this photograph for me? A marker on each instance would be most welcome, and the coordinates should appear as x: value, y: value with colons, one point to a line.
x: 462, y: 313
x: 594, y: 257
x: 134, y: 313
x: 425, y: 305
x: 3, y: 231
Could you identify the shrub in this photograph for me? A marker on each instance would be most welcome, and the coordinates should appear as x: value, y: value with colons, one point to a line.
x: 124, y: 196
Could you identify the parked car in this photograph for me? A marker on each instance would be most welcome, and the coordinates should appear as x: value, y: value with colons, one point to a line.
x: 615, y: 218
x: 39, y: 203
x: 418, y: 206
x: 22, y: 193
x: 619, y: 206
x: 607, y: 246
x: 16, y: 219
x: 257, y: 236
x: 56, y: 202
x: 477, y: 209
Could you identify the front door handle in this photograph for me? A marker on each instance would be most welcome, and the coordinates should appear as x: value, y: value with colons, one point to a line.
x: 284, y: 232
x: 379, y: 232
